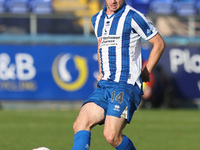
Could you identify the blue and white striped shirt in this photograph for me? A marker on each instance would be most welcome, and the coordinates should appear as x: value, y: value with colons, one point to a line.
x: 119, y: 39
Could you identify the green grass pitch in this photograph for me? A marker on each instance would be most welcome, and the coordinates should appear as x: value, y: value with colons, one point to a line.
x: 149, y: 130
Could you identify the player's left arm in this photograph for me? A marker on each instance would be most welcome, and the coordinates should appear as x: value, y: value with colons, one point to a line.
x: 156, y: 52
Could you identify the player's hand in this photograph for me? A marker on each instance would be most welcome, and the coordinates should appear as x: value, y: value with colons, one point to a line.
x: 145, y: 75
x: 99, y: 77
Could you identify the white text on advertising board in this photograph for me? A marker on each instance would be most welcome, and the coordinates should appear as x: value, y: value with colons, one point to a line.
x: 17, y: 75
x: 179, y: 57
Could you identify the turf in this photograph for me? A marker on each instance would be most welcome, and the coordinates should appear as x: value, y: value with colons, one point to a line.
x: 149, y: 129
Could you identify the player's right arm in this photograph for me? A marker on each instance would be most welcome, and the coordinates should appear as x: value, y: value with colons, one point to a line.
x: 99, y: 63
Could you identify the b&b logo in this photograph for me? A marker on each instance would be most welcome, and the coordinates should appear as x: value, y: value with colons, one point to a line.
x: 19, y: 74
x: 22, y: 69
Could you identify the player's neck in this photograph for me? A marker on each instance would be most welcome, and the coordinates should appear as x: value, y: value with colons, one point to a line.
x: 108, y: 12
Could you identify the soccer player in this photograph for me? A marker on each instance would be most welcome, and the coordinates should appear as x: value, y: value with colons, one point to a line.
x: 119, y: 29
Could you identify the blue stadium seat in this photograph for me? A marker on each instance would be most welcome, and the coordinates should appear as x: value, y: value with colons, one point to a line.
x: 185, y: 7
x: 17, y: 6
x: 198, y: 5
x: 141, y: 5
x: 2, y: 6
x: 41, y: 6
x: 162, y: 6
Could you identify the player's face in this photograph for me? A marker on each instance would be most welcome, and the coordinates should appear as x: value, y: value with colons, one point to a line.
x: 113, y: 6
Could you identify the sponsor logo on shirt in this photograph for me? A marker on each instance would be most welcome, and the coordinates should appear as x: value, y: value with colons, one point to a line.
x: 111, y: 40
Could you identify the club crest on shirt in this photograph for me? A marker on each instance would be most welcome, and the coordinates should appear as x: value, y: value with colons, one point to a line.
x: 108, y: 23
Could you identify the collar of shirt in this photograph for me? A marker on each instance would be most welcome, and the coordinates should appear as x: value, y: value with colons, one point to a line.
x: 119, y: 12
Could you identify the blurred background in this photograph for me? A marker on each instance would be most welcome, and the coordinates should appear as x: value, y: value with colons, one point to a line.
x: 48, y: 53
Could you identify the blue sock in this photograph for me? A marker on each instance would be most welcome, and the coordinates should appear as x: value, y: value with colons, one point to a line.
x: 126, y: 144
x: 82, y: 140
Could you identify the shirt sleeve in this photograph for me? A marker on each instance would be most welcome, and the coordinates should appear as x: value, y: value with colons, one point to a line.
x: 93, y: 20
x: 143, y: 26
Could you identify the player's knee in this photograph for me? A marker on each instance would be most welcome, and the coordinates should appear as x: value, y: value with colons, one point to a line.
x: 75, y: 126
x: 111, y: 138
x: 78, y: 125
x: 81, y: 125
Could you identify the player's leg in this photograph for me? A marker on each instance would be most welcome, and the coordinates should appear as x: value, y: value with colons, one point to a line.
x: 89, y: 115
x: 113, y: 133
x: 122, y: 103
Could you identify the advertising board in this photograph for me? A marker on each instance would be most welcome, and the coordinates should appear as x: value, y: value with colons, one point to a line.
x: 69, y: 72
x: 37, y: 72
x: 182, y: 65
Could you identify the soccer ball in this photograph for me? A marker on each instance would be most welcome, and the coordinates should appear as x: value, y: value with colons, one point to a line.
x: 41, y: 148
